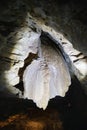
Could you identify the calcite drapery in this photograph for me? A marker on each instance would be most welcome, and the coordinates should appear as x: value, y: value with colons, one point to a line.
x: 17, y: 47
x: 47, y: 76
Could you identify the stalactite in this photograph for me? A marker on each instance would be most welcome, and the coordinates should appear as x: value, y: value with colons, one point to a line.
x: 47, y: 76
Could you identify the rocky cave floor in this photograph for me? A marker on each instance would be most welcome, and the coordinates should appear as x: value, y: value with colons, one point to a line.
x: 68, y: 113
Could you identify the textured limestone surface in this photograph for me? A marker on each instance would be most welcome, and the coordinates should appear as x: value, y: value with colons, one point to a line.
x: 48, y: 75
x: 21, y: 22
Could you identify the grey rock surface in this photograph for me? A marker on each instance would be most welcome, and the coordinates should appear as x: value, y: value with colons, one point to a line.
x: 21, y: 19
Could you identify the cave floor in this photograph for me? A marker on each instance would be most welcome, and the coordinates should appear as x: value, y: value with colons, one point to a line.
x: 67, y: 113
x: 16, y: 114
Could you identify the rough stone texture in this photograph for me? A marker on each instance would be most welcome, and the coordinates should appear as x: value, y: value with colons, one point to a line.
x: 60, y: 16
x: 39, y: 120
x: 56, y: 17
x: 68, y: 113
x: 68, y: 17
x: 48, y: 74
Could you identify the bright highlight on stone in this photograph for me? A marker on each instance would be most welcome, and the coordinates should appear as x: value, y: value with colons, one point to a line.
x: 47, y: 76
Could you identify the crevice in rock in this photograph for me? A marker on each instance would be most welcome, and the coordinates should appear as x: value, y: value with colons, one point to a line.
x: 27, y: 61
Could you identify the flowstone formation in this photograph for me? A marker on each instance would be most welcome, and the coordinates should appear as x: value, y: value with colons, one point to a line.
x: 46, y: 76
x: 34, y: 52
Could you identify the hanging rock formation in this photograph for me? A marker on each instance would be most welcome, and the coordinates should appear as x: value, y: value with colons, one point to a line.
x: 48, y: 75
x: 24, y: 48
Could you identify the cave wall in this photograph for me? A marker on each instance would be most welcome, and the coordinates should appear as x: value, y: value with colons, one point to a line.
x: 67, y: 17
